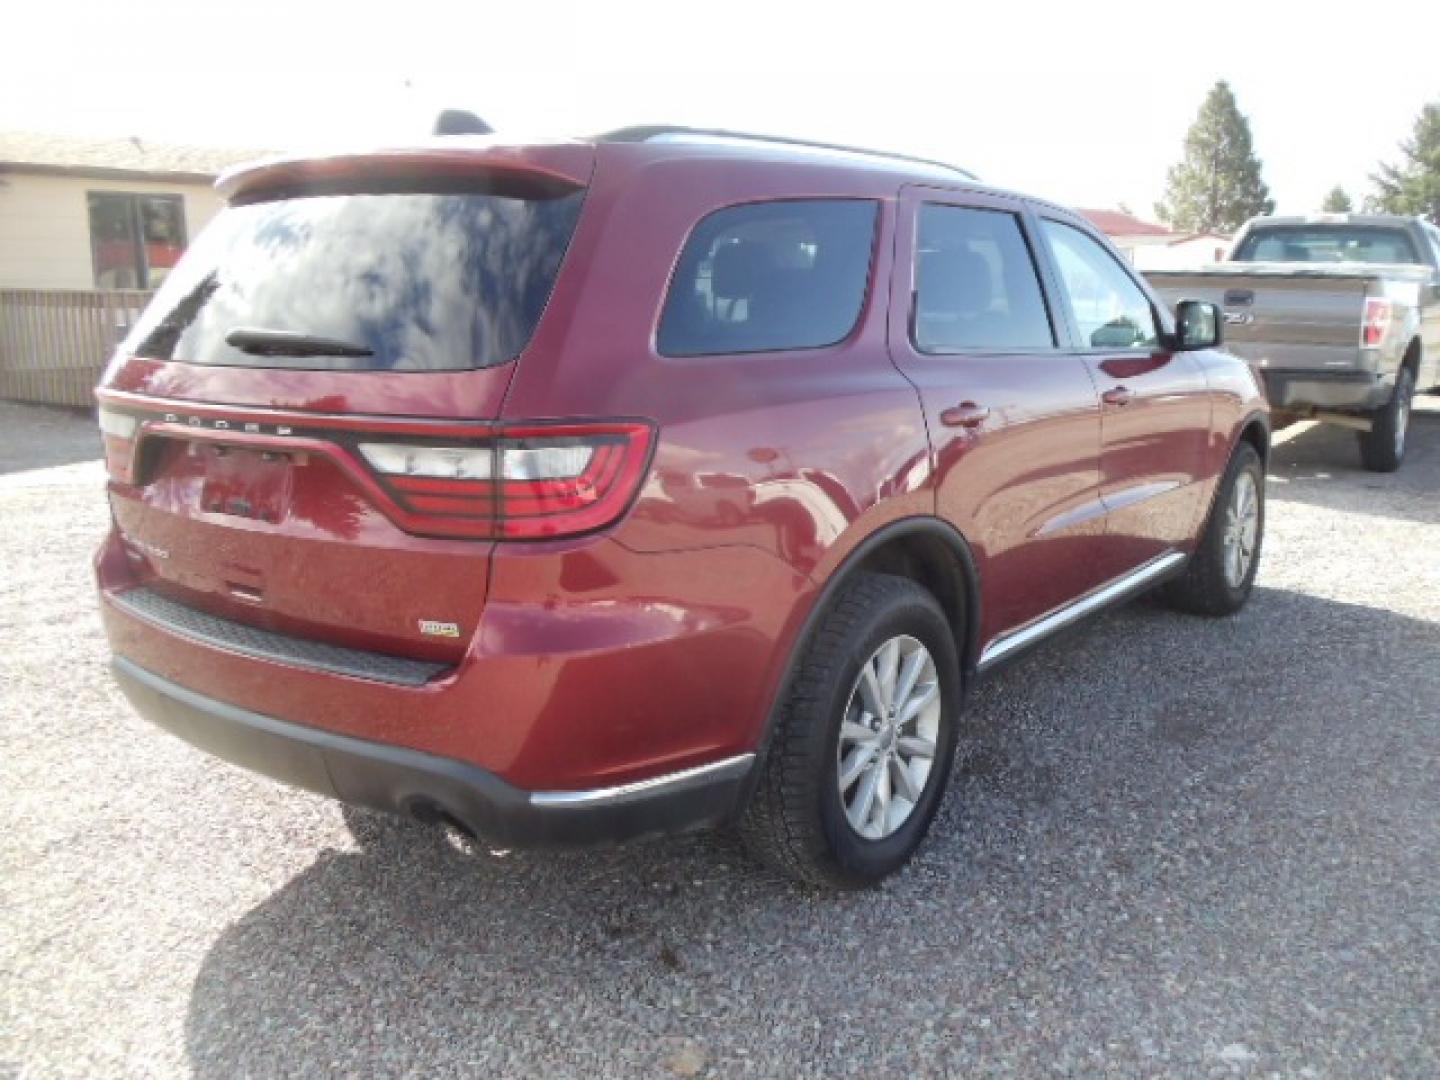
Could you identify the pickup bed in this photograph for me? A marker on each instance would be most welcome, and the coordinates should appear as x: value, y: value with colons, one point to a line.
x: 1340, y: 314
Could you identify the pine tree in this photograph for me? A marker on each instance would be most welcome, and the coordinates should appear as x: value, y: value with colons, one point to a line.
x: 1413, y: 186
x: 1337, y: 202
x: 1217, y: 186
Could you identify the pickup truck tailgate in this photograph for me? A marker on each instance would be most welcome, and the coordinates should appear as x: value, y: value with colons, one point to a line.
x: 1280, y: 316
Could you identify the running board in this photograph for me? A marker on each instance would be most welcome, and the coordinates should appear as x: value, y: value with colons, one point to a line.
x: 1117, y: 590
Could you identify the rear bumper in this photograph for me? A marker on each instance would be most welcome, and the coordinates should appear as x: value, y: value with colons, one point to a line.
x: 1297, y: 390
x: 427, y: 786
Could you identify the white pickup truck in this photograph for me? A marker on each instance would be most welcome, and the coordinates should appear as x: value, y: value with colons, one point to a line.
x: 1340, y: 314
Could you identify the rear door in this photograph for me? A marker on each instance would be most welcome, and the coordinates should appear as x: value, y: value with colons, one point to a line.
x: 298, y: 428
x: 1014, y: 419
x: 1155, y: 403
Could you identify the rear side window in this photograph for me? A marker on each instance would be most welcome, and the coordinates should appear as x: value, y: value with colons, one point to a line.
x: 976, y: 284
x: 396, y: 282
x: 1327, y: 244
x: 770, y: 276
x: 1110, y: 310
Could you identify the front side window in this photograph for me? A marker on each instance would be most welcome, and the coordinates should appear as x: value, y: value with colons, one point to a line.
x: 975, y: 283
x: 770, y: 276
x: 135, y: 239
x: 1109, y: 309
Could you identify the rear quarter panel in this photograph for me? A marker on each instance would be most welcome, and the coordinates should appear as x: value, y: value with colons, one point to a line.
x: 797, y: 454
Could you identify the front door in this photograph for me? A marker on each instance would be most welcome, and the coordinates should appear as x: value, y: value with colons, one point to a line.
x: 1155, y: 403
x: 1014, y: 419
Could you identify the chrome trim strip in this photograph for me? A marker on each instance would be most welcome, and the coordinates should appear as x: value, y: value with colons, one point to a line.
x: 726, y: 769
x: 1107, y: 594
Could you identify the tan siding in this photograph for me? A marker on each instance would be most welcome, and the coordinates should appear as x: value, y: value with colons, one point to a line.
x: 45, y: 226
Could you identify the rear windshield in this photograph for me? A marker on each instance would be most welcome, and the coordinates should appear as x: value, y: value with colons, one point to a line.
x: 1327, y: 244
x: 364, y: 282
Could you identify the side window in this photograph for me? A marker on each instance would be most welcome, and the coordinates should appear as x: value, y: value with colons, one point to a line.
x: 769, y: 276
x: 976, y: 285
x: 1109, y: 309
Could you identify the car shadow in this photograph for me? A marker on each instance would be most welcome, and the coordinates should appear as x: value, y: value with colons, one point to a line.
x: 1153, y: 765
x: 1307, y: 462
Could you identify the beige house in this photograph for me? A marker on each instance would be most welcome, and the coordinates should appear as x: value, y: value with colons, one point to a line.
x: 93, y: 213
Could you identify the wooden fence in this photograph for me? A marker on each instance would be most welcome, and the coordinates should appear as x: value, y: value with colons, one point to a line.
x: 55, y: 343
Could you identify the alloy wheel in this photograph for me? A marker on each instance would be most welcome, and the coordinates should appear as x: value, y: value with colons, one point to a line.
x: 888, y: 737
x: 1242, y: 529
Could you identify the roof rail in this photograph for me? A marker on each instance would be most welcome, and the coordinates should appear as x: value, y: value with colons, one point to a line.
x: 648, y: 132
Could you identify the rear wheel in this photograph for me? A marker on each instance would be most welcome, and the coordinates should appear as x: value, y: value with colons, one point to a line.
x: 864, y: 741
x: 1382, y: 448
x: 1221, y: 574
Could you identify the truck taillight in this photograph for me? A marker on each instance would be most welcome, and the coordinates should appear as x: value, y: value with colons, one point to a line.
x: 1377, y: 322
x: 522, y: 483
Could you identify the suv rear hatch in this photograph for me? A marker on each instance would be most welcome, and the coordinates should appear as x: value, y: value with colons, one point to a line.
x: 301, y: 428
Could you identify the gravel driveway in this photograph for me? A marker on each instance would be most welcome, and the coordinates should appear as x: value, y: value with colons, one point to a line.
x: 1176, y: 846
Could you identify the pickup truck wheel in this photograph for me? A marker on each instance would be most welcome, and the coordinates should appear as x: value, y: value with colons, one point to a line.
x: 1220, y: 576
x: 863, y: 741
x: 1382, y: 448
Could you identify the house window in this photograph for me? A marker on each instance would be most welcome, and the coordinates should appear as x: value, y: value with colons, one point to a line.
x: 135, y: 239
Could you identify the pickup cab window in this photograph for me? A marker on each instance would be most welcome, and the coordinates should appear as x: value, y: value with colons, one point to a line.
x: 1327, y: 244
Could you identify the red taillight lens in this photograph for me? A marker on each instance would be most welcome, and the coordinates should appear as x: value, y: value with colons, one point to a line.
x: 523, y: 483
x: 1377, y: 322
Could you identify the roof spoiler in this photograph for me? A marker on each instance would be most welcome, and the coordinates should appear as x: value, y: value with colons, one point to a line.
x: 451, y: 165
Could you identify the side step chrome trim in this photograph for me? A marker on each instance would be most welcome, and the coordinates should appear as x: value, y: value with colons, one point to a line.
x: 1117, y: 590
x: 726, y: 769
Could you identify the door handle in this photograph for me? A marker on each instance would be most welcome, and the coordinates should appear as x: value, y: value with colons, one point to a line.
x: 967, y: 415
x: 1118, y: 395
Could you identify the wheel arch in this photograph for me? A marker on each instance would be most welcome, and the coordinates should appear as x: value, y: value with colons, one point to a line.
x: 1412, y: 356
x: 1255, y: 430
x: 925, y: 549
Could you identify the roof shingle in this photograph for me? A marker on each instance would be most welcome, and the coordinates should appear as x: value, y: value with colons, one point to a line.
x: 36, y: 152
x: 1119, y: 223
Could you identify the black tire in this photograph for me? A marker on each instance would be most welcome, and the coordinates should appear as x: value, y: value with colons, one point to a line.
x: 795, y: 820
x: 1205, y: 588
x: 1382, y: 448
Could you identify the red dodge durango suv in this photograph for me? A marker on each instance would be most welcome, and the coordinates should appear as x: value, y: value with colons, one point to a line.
x: 584, y: 490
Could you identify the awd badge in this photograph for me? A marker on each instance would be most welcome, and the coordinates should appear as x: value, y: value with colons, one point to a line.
x: 439, y: 629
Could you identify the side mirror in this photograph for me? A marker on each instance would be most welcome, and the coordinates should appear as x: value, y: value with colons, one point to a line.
x: 1197, y: 325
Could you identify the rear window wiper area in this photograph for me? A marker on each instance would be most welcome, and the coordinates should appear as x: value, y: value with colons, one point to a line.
x: 260, y: 342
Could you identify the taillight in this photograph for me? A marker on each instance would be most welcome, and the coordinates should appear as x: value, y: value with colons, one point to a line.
x: 118, y: 432
x: 522, y: 483
x: 1377, y: 322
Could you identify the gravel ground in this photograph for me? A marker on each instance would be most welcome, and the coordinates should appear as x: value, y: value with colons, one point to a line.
x: 1176, y: 847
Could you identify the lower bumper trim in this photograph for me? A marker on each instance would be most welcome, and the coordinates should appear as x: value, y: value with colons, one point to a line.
x: 1319, y: 389
x: 416, y: 784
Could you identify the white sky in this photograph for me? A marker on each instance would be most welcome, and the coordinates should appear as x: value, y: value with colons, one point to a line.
x: 1086, y: 103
